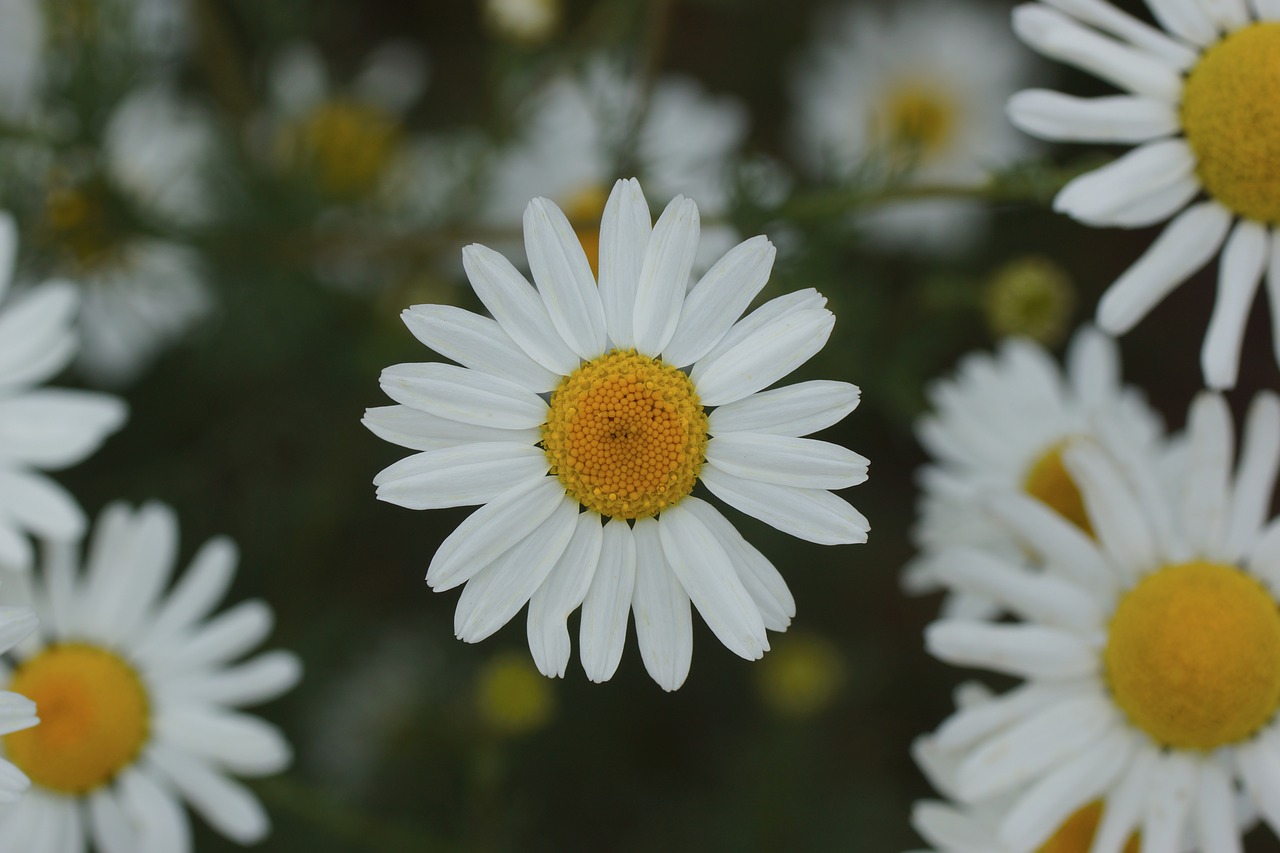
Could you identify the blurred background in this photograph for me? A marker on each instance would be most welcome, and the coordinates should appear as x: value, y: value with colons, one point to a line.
x: 250, y: 193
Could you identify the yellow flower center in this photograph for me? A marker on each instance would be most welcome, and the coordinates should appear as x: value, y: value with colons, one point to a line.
x: 1076, y: 833
x: 626, y: 435
x: 916, y: 121
x: 513, y: 698
x: 801, y: 676
x: 1194, y: 655
x: 584, y: 209
x: 1049, y: 482
x: 1231, y: 117
x: 344, y: 145
x: 94, y: 718
x: 1030, y: 297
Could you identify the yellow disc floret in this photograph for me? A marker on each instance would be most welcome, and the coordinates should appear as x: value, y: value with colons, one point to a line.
x: 915, y: 122
x: 1231, y: 117
x: 94, y: 718
x: 1049, y: 482
x: 1076, y: 833
x: 626, y: 435
x: 344, y: 145
x: 1194, y: 655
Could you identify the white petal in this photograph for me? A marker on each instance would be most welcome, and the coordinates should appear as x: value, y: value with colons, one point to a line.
x: 1155, y: 207
x: 1229, y: 15
x: 664, y: 625
x: 563, y: 276
x: 624, y: 236
x: 973, y: 723
x: 561, y: 594
x: 225, y: 637
x: 54, y: 427
x: 1184, y: 247
x: 1210, y: 449
x: 763, y: 357
x: 664, y: 277
x: 36, y: 337
x: 1059, y: 37
x: 40, y: 505
x: 1114, y: 512
x: 1126, y: 803
x: 1109, y: 19
x: 718, y: 300
x: 112, y: 831
x: 491, y: 530
x: 947, y: 828
x: 228, y: 806
x: 812, y: 514
x: 477, y: 342
x: 1273, y: 291
x: 464, y: 395
x: 766, y: 315
x: 1038, y: 598
x: 1267, y: 10
x: 1169, y: 806
x: 1259, y: 764
x: 1030, y: 651
x: 799, y: 409
x: 496, y: 593
x: 257, y: 680
x: 164, y: 824
x: 197, y: 592
x: 1255, y: 477
x: 1096, y: 196
x: 8, y: 250
x: 764, y: 583
x: 1215, y: 820
x: 419, y: 430
x: 241, y: 743
x: 1186, y: 19
x: 605, y: 610
x: 1242, y: 262
x: 459, y: 476
x: 801, y: 462
x: 1118, y: 118
x: 517, y: 308
x: 702, y: 564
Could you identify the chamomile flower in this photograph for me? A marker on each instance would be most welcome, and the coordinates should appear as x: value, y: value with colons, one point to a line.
x: 41, y: 429
x: 918, y: 90
x: 1200, y: 103
x: 619, y: 398
x: 1000, y: 426
x: 1150, y: 651
x: 136, y: 688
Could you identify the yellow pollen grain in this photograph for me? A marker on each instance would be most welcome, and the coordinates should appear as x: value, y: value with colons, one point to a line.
x: 584, y: 209
x: 1231, y: 118
x: 1049, y: 482
x: 1193, y: 656
x: 1076, y: 833
x: 626, y: 435
x: 915, y: 122
x: 344, y: 145
x: 94, y: 718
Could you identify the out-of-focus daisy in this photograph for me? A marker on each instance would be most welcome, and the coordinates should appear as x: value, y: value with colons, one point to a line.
x: 918, y: 91
x: 1202, y: 104
x: 17, y: 712
x: 619, y: 398
x: 136, y: 689
x: 21, y: 42
x: 583, y: 128
x: 342, y: 142
x: 529, y: 21
x: 1151, y: 653
x: 1000, y: 426
x: 41, y: 429
x: 142, y: 293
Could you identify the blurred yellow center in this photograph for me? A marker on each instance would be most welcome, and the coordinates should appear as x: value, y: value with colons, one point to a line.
x: 75, y: 223
x: 1231, y: 117
x: 345, y: 145
x: 917, y: 121
x: 94, y: 718
x: 626, y: 435
x: 1076, y: 833
x: 1194, y: 655
x: 1049, y: 482
x: 584, y: 210
x: 513, y: 697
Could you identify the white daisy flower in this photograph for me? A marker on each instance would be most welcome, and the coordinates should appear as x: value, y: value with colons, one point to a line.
x: 344, y: 142
x: 1151, y: 653
x: 1200, y: 103
x: 1000, y: 426
x: 17, y: 712
x: 41, y: 429
x: 575, y: 396
x: 918, y: 89
x: 136, y: 690
x: 581, y: 128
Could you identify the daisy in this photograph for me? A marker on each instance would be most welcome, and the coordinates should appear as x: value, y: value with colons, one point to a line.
x: 580, y: 128
x: 1200, y: 102
x: 41, y: 429
x: 1151, y: 653
x: 17, y: 712
x: 919, y: 90
x: 1000, y: 426
x: 136, y: 690
x: 619, y: 399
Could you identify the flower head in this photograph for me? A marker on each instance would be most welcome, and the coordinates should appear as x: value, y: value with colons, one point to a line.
x: 1200, y: 102
x: 619, y: 398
